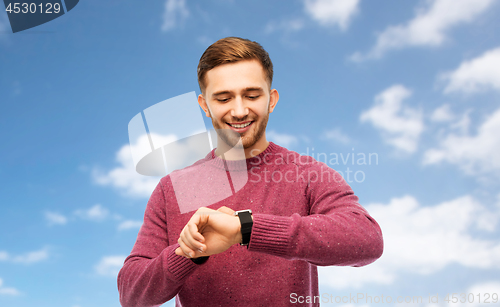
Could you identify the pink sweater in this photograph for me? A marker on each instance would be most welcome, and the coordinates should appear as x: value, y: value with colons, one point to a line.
x: 307, y: 218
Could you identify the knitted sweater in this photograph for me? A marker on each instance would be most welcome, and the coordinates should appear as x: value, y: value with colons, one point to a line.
x: 304, y: 215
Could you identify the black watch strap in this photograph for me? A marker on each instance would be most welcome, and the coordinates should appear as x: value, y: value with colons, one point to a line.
x: 246, y: 226
x: 200, y: 260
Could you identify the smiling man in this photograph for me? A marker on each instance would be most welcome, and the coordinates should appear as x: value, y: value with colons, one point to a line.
x: 262, y: 245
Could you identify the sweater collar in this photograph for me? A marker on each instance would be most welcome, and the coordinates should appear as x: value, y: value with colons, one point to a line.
x: 267, y: 154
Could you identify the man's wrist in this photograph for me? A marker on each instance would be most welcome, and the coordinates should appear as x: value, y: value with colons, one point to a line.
x: 238, y: 237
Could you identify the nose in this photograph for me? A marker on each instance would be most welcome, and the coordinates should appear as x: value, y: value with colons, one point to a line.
x: 239, y: 110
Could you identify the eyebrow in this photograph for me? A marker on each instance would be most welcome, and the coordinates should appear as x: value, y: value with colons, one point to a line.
x: 248, y: 89
x: 253, y: 89
x: 220, y: 93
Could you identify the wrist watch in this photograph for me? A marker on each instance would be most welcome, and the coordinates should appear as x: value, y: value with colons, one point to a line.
x: 246, y: 225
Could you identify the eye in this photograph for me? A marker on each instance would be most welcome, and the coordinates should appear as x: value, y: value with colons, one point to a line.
x: 222, y: 99
x: 253, y: 97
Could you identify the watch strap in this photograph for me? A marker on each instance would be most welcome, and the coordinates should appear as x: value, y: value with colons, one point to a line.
x: 246, y: 226
x: 200, y: 260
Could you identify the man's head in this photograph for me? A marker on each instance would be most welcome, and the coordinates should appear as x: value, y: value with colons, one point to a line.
x: 235, y: 77
x: 231, y: 50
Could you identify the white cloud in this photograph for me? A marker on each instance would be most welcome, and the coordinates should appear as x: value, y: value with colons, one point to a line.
x: 442, y: 114
x: 129, y: 224
x: 463, y: 123
x: 332, y: 12
x: 110, y: 265
x: 400, y: 125
x: 428, y: 28
x: 474, y: 154
x: 8, y: 291
x: 95, y: 213
x: 125, y: 178
x: 336, y: 135
x: 54, y: 218
x: 351, y: 277
x: 176, y: 154
x: 27, y: 258
x: 423, y: 240
x: 282, y: 139
x: 32, y: 257
x: 476, y: 75
x: 175, y: 13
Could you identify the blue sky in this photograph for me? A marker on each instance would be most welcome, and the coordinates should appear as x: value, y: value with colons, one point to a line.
x: 414, y: 83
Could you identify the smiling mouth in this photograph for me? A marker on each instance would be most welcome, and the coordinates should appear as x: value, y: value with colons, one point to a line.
x: 240, y: 125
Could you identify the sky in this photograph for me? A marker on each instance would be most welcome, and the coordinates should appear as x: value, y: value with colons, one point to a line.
x: 400, y: 97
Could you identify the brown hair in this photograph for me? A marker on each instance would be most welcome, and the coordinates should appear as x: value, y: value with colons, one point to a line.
x: 231, y: 50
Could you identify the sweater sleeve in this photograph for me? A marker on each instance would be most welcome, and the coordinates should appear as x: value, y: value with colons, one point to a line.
x: 153, y: 274
x: 337, y: 231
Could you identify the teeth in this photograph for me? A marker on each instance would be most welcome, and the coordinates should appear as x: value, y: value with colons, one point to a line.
x: 240, y: 126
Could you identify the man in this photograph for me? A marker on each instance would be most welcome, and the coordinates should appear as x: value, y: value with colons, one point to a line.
x: 303, y: 214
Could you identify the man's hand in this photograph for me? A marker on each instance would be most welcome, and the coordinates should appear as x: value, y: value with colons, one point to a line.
x: 209, y: 232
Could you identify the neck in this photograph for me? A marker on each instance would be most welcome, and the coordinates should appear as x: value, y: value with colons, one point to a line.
x: 226, y: 152
x: 257, y: 148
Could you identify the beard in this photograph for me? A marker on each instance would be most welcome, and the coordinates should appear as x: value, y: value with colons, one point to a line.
x: 248, y: 138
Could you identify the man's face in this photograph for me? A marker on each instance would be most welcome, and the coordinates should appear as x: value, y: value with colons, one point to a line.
x: 237, y: 98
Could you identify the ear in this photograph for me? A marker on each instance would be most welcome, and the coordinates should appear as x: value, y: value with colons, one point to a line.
x: 274, y: 96
x: 203, y: 104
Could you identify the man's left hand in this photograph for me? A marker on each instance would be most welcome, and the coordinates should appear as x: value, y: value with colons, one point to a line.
x: 209, y: 232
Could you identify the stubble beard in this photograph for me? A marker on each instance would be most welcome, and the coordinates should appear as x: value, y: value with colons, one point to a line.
x: 231, y: 138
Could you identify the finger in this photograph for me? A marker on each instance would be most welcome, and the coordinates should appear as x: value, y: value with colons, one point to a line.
x: 179, y: 252
x: 189, y: 253
x: 226, y: 210
x: 200, y: 215
x: 187, y: 239
x: 200, y: 219
x: 191, y: 236
x: 195, y: 233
